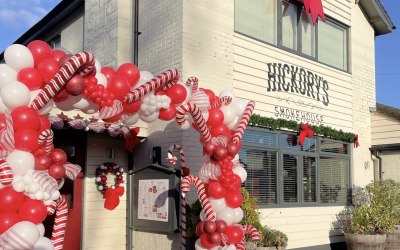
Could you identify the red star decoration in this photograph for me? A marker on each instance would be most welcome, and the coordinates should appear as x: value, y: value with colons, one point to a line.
x: 315, y: 8
x: 93, y: 119
x: 78, y: 117
x: 63, y: 116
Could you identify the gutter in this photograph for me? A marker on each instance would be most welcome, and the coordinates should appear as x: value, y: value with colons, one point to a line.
x: 377, y: 16
x: 379, y: 158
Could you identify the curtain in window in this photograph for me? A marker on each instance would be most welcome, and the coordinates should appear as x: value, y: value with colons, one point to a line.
x: 334, y: 179
x: 290, y: 178
x: 309, y: 179
x: 289, y: 26
x: 332, y: 45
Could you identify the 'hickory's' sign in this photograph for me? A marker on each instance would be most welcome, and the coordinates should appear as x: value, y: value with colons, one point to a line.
x: 290, y: 78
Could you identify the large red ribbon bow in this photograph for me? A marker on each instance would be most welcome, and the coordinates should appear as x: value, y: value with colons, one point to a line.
x: 315, y: 8
x: 356, y: 143
x: 132, y: 140
x: 305, y: 131
x: 111, y: 197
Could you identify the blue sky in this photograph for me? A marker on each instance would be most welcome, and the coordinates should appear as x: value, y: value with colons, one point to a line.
x: 18, y: 16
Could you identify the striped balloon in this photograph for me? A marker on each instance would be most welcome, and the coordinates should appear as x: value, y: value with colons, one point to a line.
x: 84, y: 62
x: 201, y: 193
x: 72, y: 170
x: 45, y: 181
x: 6, y: 173
x: 200, y: 98
x: 60, y: 207
x: 210, y: 170
x: 7, y: 142
x: 244, y: 120
x: 17, y: 238
x: 171, y: 75
x: 197, y: 118
x: 115, y: 109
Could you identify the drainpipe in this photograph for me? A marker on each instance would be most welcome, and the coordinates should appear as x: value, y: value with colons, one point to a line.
x: 136, y: 32
x: 379, y: 158
x: 129, y: 196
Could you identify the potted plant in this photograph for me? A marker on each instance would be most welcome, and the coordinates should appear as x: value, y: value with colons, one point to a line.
x: 273, y: 239
x: 375, y: 211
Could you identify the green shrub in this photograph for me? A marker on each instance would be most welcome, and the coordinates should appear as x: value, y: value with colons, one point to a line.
x: 274, y: 238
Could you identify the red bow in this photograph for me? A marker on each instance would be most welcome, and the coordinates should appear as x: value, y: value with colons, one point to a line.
x: 111, y: 197
x: 315, y: 8
x: 356, y: 143
x: 305, y: 132
x: 132, y: 140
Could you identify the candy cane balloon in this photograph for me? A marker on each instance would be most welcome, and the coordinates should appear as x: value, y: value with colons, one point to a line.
x: 244, y: 120
x: 84, y: 62
x: 60, y: 207
x: 197, y: 118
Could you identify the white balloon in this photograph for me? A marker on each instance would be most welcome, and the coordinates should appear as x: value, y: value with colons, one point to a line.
x: 27, y: 231
x: 227, y: 92
x: 198, y: 246
x: 19, y: 186
x: 241, y: 172
x: 236, y: 158
x: 83, y: 103
x: 101, y: 79
x: 151, y: 118
x: 21, y: 161
x: 39, y: 195
x: 97, y: 65
x: 2, y: 107
x: 91, y: 109
x: 202, y: 215
x: 47, y: 108
x: 33, y: 187
x: 15, y: 94
x: 43, y: 244
x: 46, y: 196
x: 238, y: 215
x: 67, y: 105
x: 227, y: 214
x: 48, y: 202
x: 27, y: 179
x: 55, y: 195
x: 240, y: 106
x: 146, y: 76
x: 18, y: 57
x: 216, y: 248
x: 41, y: 229
x: 133, y: 119
x: 230, y: 247
x: 7, y: 74
x: 229, y: 113
x: 217, y: 204
x: 233, y: 124
x: 144, y: 107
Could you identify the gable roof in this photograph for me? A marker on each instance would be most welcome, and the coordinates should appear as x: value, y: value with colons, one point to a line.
x: 377, y: 16
x: 389, y: 111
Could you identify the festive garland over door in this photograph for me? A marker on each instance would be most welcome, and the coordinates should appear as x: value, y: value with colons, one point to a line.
x: 111, y: 193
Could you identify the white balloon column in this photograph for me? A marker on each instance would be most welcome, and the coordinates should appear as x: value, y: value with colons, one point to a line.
x: 36, y: 78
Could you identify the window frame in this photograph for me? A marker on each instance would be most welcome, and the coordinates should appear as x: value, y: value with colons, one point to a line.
x: 298, y: 51
x: 300, y: 154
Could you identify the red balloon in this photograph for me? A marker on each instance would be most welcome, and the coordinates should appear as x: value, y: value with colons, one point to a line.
x: 234, y: 200
x: 57, y: 171
x: 205, y: 242
x: 210, y: 94
x: 167, y: 114
x: 234, y: 234
x: 221, y: 226
x: 48, y: 68
x: 215, y: 238
x: 64, y: 59
x: 209, y: 147
x: 58, y: 156
x: 57, y: 54
x: 33, y: 210
x: 40, y: 51
x: 232, y: 149
x: 7, y: 220
x: 200, y: 228
x: 220, y: 153
x: 177, y: 93
x: 44, y: 123
x: 130, y: 72
x: 75, y: 85
x: 119, y: 86
x: 31, y: 77
x: 132, y: 107
x: 186, y: 171
x: 215, y: 117
x: 215, y: 189
x: 10, y: 200
x: 39, y: 152
x: 221, y: 129
x: 114, y: 118
x: 42, y: 162
x: 25, y: 118
x: 109, y: 72
x: 61, y: 96
x: 3, y: 124
x: 26, y: 139
x: 210, y: 227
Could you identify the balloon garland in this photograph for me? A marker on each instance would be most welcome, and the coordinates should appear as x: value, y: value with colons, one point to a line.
x: 110, y: 193
x: 36, y: 78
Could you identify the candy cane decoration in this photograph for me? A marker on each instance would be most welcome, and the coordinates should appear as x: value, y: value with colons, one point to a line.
x: 164, y: 78
x: 252, y: 232
x: 194, y: 82
x: 241, y: 245
x: 183, y: 197
x: 6, y: 173
x: 84, y: 62
x: 46, y: 138
x: 225, y: 100
x: 244, y: 120
x: 201, y: 193
x: 60, y: 207
x: 197, y: 117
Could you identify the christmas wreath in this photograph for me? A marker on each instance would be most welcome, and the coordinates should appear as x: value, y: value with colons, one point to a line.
x: 111, y: 193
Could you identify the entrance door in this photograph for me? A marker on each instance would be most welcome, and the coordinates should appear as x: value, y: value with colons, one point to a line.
x: 73, y: 142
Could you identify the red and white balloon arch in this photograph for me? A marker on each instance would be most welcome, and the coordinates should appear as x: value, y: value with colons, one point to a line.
x: 35, y: 79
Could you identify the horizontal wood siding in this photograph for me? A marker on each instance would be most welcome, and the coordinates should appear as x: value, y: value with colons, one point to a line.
x: 338, y: 9
x: 251, y: 80
x: 385, y: 129
x: 103, y: 229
